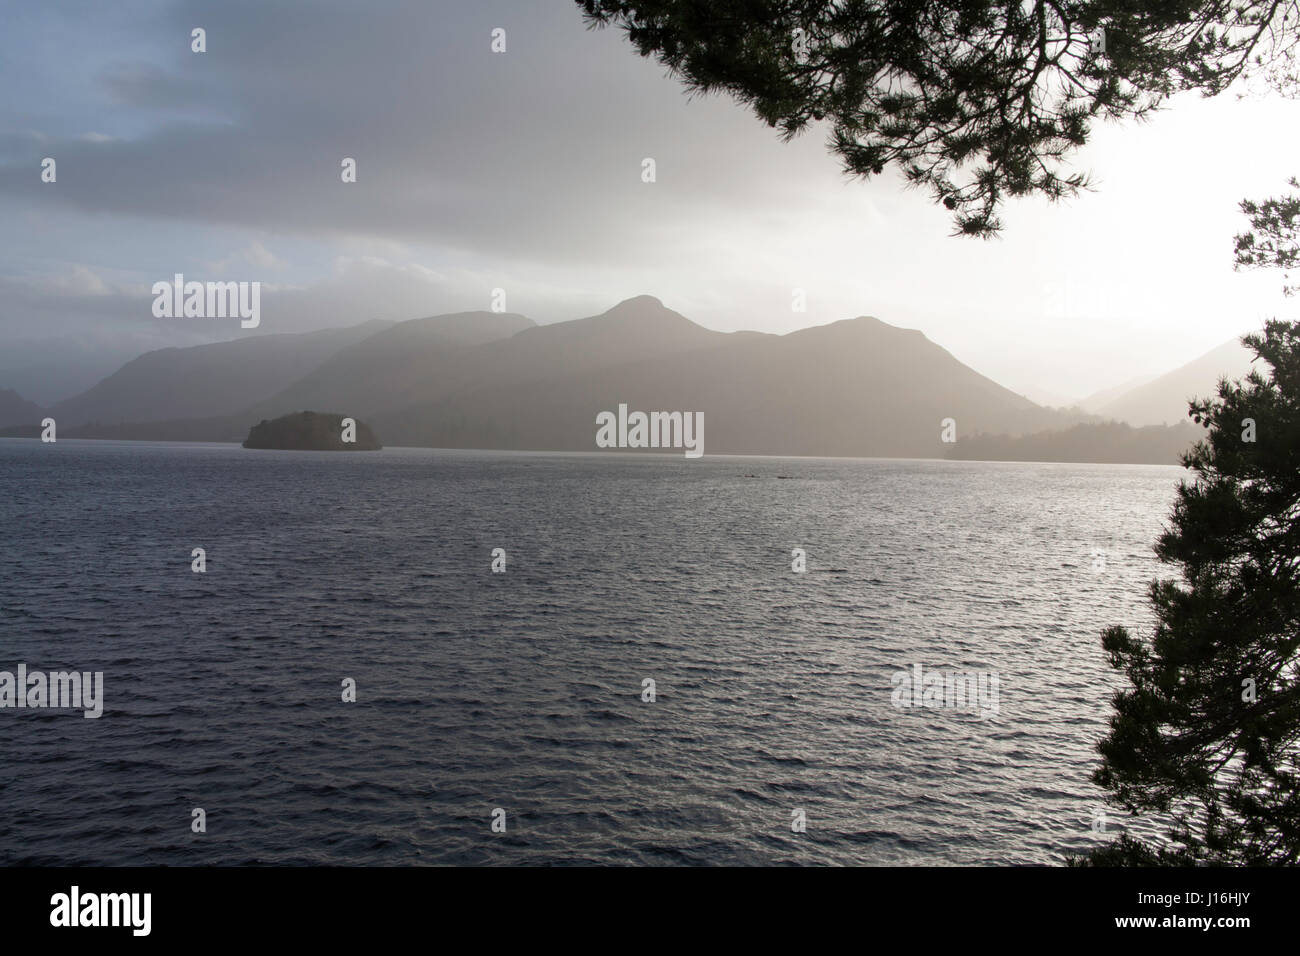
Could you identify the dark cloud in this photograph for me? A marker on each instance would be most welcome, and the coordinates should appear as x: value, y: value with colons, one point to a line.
x: 531, y: 153
x: 523, y: 170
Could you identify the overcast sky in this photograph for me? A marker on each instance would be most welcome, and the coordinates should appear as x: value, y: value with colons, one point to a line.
x: 522, y: 170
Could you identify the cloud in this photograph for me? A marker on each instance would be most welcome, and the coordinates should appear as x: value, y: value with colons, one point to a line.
x: 522, y: 170
x: 77, y: 282
x: 522, y: 154
x: 254, y: 254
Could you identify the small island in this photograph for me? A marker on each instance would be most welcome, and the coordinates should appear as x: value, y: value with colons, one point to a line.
x: 313, y: 431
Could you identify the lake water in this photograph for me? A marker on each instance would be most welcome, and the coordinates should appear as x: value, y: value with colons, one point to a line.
x: 523, y: 690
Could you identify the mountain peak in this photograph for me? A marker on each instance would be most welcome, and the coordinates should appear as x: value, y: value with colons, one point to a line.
x: 643, y: 312
x: 637, y: 304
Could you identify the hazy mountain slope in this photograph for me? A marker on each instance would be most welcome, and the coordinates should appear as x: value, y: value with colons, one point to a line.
x: 1107, y: 395
x: 206, y: 380
x: 1164, y: 400
x: 635, y: 329
x: 1046, y: 397
x: 395, y: 366
x: 52, y: 369
x: 853, y: 388
x: 16, y: 410
x: 859, y: 387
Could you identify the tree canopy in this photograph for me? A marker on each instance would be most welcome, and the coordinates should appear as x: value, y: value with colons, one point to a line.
x: 1208, y: 728
x: 973, y: 100
x: 1273, y: 241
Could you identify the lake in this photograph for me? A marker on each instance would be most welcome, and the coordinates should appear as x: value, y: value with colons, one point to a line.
x: 519, y: 697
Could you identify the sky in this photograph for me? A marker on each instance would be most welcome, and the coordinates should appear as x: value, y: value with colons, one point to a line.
x: 522, y: 171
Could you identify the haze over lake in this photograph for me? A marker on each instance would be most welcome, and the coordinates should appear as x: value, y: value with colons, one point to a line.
x: 523, y: 690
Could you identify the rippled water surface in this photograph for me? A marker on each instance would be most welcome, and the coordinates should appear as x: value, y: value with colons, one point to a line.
x: 523, y: 690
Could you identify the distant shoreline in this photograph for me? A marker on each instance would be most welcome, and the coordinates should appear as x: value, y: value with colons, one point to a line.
x: 622, y: 453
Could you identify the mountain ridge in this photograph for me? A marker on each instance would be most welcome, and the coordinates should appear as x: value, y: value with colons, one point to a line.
x: 203, y: 380
x: 855, y: 387
x: 1163, y: 399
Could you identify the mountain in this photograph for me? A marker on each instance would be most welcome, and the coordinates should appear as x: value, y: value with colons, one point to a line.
x: 16, y: 410
x: 859, y: 387
x: 48, y: 370
x: 1046, y: 397
x: 206, y: 380
x: 1164, y: 400
x: 398, y: 365
x: 1107, y: 395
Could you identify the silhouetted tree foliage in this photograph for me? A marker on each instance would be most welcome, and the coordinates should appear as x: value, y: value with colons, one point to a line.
x: 973, y: 100
x: 1274, y: 237
x: 1208, y: 728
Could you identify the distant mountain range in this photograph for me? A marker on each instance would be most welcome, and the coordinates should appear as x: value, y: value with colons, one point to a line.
x: 15, y: 410
x: 855, y: 388
x: 1163, y: 401
x: 206, y: 380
